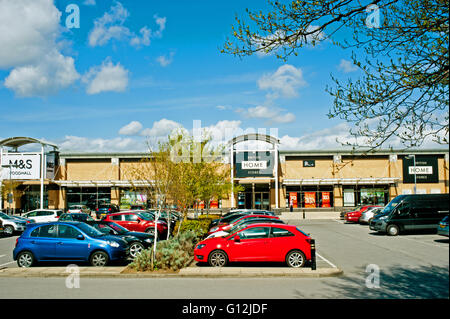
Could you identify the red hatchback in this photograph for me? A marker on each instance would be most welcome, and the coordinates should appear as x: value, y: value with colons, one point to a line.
x: 354, y: 216
x: 231, y: 225
x: 258, y: 242
x: 134, y: 221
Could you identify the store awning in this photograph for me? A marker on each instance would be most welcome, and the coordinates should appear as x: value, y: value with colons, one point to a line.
x: 104, y: 183
x: 341, y: 181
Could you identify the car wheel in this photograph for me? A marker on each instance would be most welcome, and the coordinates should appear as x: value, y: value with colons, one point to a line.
x: 135, y: 249
x: 218, y: 258
x: 99, y: 259
x: 370, y: 220
x: 392, y: 230
x: 25, y: 259
x: 9, y: 230
x: 295, y: 259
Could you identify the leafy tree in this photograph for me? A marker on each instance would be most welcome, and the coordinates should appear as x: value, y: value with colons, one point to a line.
x: 403, y: 91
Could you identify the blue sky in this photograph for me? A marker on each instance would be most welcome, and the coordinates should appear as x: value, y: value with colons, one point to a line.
x: 139, y: 68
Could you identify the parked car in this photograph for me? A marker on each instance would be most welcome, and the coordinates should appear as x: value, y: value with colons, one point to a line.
x: 237, y: 220
x: 11, y: 224
x: 367, y: 215
x: 257, y: 242
x: 442, y: 228
x: 243, y: 223
x: 104, y: 209
x: 1, y: 226
x: 134, y: 221
x: 137, y: 241
x: 43, y: 215
x: 27, y: 220
x: 163, y: 216
x: 226, y: 219
x: 354, y: 216
x: 411, y: 213
x: 68, y: 242
x: 79, y: 217
x: 79, y: 209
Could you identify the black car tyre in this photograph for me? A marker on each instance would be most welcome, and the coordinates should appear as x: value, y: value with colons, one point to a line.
x: 392, y: 230
x: 217, y: 258
x: 8, y: 230
x: 25, y: 259
x: 99, y: 259
x: 135, y: 249
x: 295, y: 259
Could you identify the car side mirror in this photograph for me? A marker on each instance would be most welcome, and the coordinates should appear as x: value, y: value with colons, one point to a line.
x: 80, y: 237
x: 237, y: 239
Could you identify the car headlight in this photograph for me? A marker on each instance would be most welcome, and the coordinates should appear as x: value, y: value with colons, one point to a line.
x: 382, y: 218
x: 113, y: 244
x: 148, y: 240
x: 201, y: 246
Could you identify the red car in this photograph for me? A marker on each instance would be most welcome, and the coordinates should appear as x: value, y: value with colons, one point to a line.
x: 354, y: 216
x: 231, y: 225
x: 258, y: 242
x: 133, y: 221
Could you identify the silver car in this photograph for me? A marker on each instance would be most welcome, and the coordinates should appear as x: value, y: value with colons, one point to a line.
x: 12, y: 224
x: 367, y: 215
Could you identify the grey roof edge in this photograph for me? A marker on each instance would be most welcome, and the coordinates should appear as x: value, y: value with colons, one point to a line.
x: 99, y: 155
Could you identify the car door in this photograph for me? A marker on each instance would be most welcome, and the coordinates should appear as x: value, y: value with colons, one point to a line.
x: 68, y: 245
x: 43, y: 242
x: 280, y: 242
x: 251, y: 246
x: 404, y: 216
x: 132, y: 222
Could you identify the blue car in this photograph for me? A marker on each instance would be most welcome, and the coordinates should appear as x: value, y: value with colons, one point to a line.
x: 67, y: 241
x: 442, y: 228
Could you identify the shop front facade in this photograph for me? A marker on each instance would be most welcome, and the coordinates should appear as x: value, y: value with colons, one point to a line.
x: 269, y: 178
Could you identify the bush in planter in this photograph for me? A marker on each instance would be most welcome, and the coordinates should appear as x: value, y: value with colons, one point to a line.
x: 172, y: 254
x: 198, y: 226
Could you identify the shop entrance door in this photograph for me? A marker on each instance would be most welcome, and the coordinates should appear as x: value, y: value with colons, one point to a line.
x: 254, y: 197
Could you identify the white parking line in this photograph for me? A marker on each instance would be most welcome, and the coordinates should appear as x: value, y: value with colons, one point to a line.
x: 326, y: 260
x: 11, y: 262
x: 2, y: 256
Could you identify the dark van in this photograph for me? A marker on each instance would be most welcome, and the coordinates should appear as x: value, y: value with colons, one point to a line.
x: 410, y: 213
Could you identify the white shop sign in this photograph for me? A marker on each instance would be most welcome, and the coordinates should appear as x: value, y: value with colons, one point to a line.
x: 27, y: 166
x: 254, y: 165
x: 420, y: 170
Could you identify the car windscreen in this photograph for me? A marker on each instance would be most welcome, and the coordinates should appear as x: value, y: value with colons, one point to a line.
x: 146, y: 216
x: 89, y: 230
x: 117, y: 228
x: 4, y: 216
x: 391, y: 205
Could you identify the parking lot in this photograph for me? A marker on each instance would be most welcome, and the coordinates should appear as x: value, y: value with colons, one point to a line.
x: 409, y: 266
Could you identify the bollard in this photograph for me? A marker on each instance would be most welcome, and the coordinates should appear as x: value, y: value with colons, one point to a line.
x: 313, y: 254
x: 303, y: 214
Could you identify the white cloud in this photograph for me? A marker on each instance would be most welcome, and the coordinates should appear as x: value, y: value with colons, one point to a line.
x: 271, y: 114
x: 89, y: 2
x: 29, y: 30
x: 161, y: 128
x: 164, y: 60
x: 52, y: 73
x: 347, y: 66
x: 132, y: 128
x: 107, y: 77
x: 325, y: 139
x: 283, y: 83
x: 111, y: 27
x: 85, y: 144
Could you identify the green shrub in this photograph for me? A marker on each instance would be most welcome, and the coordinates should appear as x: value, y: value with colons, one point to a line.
x: 198, y: 226
x: 172, y: 254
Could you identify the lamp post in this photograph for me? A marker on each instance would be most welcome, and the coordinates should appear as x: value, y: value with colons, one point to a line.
x: 413, y: 156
